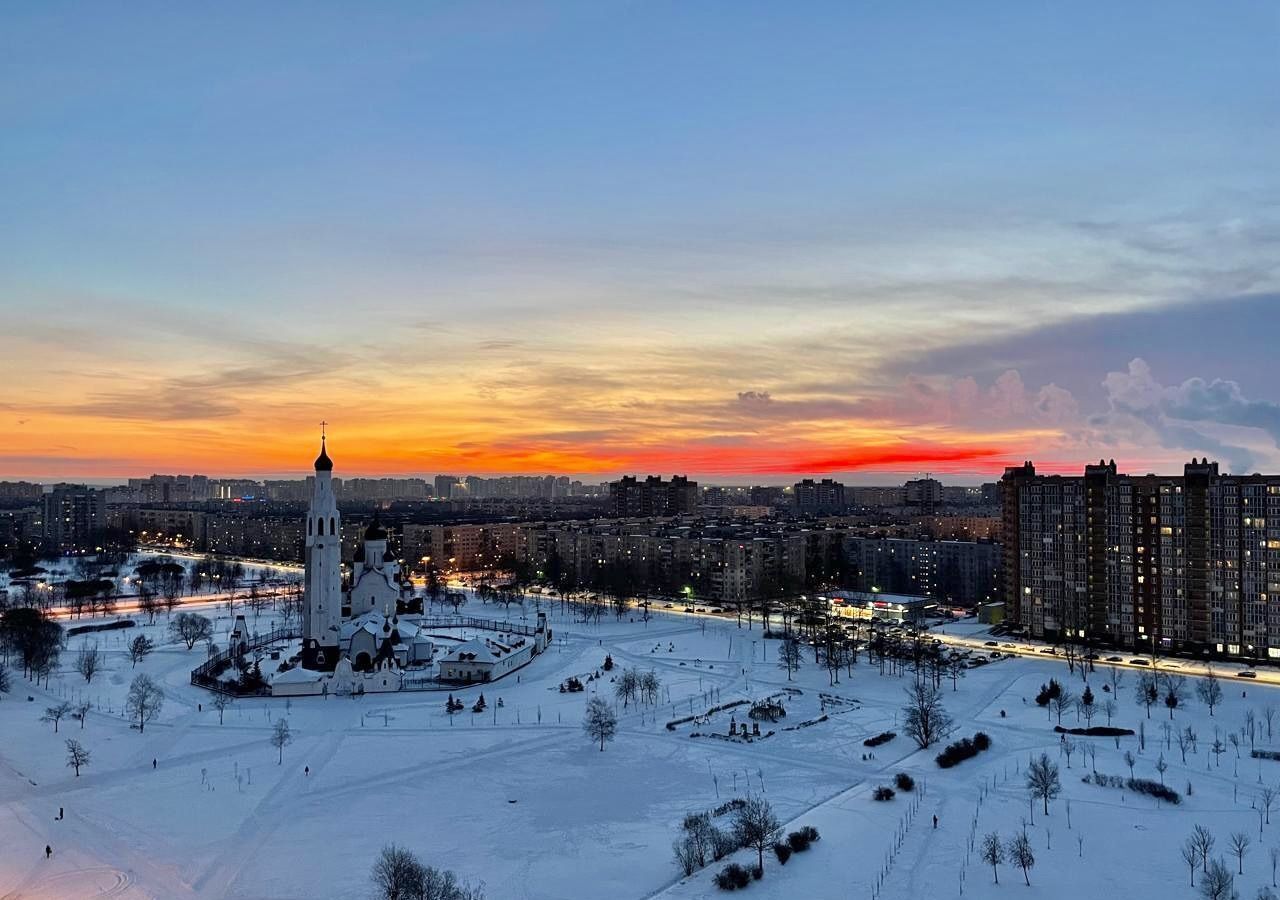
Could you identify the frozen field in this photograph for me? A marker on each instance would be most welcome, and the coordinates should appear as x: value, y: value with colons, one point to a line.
x: 519, y: 798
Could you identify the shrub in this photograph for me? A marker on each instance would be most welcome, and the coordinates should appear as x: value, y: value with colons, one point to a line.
x: 1153, y: 789
x: 810, y: 832
x: 724, y: 880
x: 882, y: 793
x: 783, y: 852
x: 729, y: 806
x: 798, y: 841
x: 101, y: 626
x: 1095, y: 731
x: 732, y: 877
x: 904, y: 782
x: 963, y: 749
x: 879, y: 739
x: 722, y: 844
x: 757, y: 872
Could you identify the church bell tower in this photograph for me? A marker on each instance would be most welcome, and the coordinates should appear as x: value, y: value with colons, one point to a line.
x: 322, y: 599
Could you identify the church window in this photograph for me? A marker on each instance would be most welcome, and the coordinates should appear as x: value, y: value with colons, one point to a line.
x: 333, y: 525
x: 309, y: 523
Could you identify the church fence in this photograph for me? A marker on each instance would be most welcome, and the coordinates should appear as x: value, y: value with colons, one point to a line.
x: 473, y: 622
x: 206, y: 674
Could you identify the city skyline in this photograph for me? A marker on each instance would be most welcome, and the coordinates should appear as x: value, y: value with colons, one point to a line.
x: 590, y: 239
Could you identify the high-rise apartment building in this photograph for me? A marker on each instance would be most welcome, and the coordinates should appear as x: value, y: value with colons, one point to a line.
x: 1160, y: 563
x: 631, y: 498
x: 73, y: 517
x: 825, y: 497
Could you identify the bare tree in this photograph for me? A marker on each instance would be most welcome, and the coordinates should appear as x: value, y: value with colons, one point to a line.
x: 1129, y: 761
x: 1204, y: 841
x: 191, y: 628
x: 1191, y: 856
x: 1042, y: 780
x: 1267, y: 800
x: 397, y: 874
x: 1273, y: 853
x: 220, y: 703
x: 281, y: 737
x: 1147, y: 691
x: 1064, y: 701
x: 81, y: 712
x: 789, y: 656
x: 1184, y: 743
x: 77, y: 756
x: 993, y: 854
x: 1109, y: 709
x: 1161, y: 767
x: 88, y: 661
x: 1209, y: 690
x: 925, y: 719
x: 55, y: 714
x: 139, y: 648
x: 599, y: 721
x: 144, y: 701
x: 1269, y: 714
x: 1020, y: 854
x: 1218, y: 882
x: 1239, y: 843
x: 1115, y: 678
x: 626, y: 686
x: 755, y: 825
x: 650, y: 687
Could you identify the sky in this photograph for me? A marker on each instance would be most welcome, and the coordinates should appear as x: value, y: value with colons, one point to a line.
x: 743, y: 241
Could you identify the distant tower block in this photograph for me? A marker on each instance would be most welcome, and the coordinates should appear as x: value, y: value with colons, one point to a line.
x: 322, y: 600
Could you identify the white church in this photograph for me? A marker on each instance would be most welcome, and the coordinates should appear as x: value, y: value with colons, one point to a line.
x: 354, y: 641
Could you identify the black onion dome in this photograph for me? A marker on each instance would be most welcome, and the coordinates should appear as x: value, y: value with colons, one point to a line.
x: 388, y: 556
x: 375, y: 531
x: 323, y: 462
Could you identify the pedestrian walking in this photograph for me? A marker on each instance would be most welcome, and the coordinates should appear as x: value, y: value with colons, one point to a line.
x: 935, y: 823
x: 48, y: 851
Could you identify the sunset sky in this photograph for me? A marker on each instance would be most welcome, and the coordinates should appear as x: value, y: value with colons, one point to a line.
x: 743, y: 241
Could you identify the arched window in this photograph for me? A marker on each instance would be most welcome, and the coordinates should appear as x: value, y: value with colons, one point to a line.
x: 333, y: 525
x: 309, y: 524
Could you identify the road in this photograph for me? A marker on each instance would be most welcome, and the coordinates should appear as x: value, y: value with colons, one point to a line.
x: 1172, y: 666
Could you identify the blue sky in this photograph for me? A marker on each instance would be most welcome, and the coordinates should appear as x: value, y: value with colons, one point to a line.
x: 522, y: 223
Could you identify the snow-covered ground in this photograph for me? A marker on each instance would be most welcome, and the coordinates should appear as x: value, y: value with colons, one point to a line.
x: 519, y: 798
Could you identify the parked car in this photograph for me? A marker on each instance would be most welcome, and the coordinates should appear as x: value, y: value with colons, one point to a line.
x: 1114, y: 659
x: 1139, y: 662
x: 1247, y: 673
x: 991, y: 644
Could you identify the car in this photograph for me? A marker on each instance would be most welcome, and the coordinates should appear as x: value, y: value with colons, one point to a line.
x: 1247, y: 673
x: 700, y: 609
x: 1114, y: 659
x: 1139, y: 662
x: 1049, y: 650
x: 991, y: 644
x: 1092, y: 657
x: 667, y: 605
x: 995, y: 654
x: 717, y: 610
x: 977, y: 661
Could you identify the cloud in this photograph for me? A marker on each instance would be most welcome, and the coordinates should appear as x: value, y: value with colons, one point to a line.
x: 1203, y: 417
